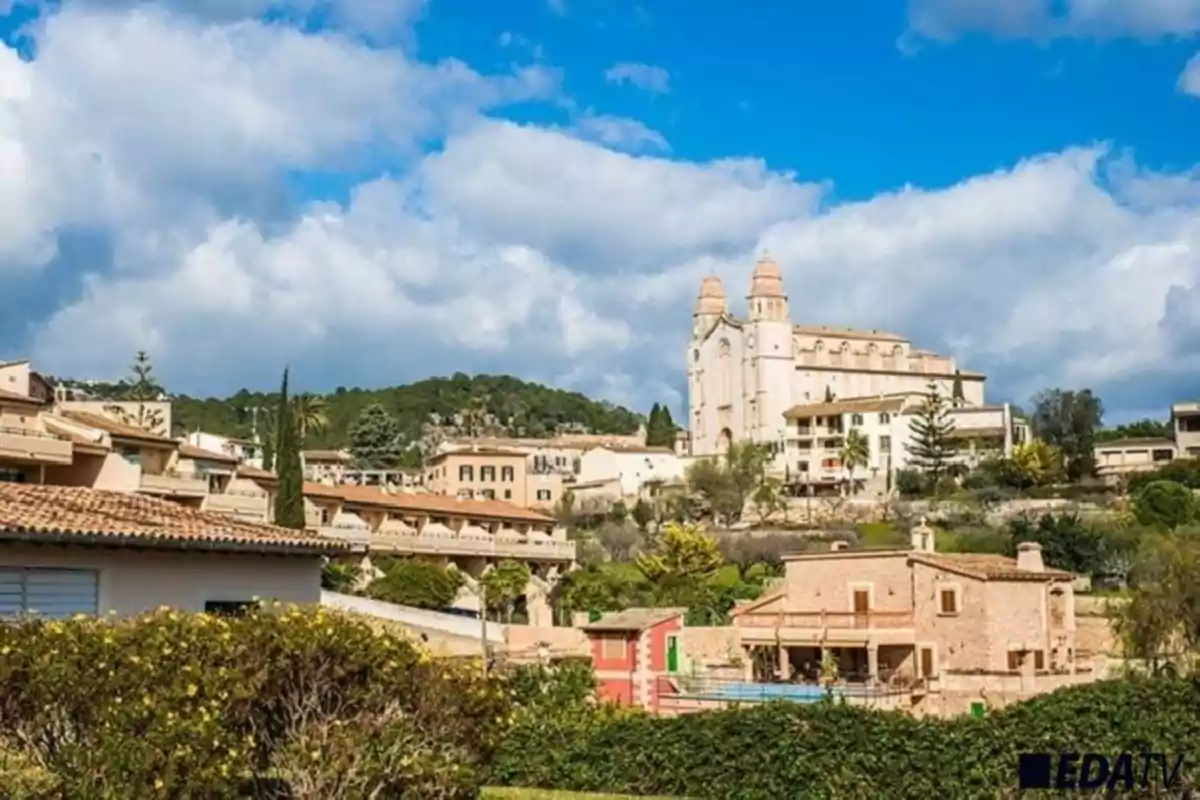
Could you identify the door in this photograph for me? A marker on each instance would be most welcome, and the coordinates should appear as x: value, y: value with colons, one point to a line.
x: 926, y: 662
x: 672, y: 654
x: 862, y: 607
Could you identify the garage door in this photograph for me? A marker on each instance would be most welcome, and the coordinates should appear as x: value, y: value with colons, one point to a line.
x: 53, y: 593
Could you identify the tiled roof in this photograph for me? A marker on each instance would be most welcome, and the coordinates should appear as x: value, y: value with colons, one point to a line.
x: 987, y: 567
x: 477, y: 451
x: 72, y: 514
x: 425, y: 503
x: 113, y: 428
x: 14, y: 397
x: 633, y: 619
x: 199, y: 453
x: 325, y: 455
x: 838, y: 407
x: 254, y: 473
x: 632, y: 448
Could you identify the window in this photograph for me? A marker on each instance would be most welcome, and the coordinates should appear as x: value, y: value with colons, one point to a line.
x: 947, y: 601
x: 506, y: 474
x: 928, y: 668
x: 560, y: 461
x: 885, y: 444
x: 543, y: 494
x: 1039, y: 659
x: 508, y: 494
x: 11, y: 475
x: 1014, y: 661
x: 53, y: 593
x: 487, y: 494
x: 228, y: 608
x: 613, y: 647
x: 132, y: 455
x: 884, y: 418
x: 802, y: 467
x: 487, y: 474
x: 466, y: 473
x: 856, y: 419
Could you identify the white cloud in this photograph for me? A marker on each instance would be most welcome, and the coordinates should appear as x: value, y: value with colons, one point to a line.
x: 947, y: 19
x: 647, y: 77
x: 523, y: 249
x: 620, y: 133
x: 1189, y: 80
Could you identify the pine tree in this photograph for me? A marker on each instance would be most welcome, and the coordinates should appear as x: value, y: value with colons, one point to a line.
x: 660, y: 428
x: 142, y: 388
x: 653, y: 423
x: 931, y: 447
x: 669, y: 427
x: 375, y: 439
x: 289, y: 500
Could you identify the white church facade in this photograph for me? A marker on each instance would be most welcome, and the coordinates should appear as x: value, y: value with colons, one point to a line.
x: 746, y: 375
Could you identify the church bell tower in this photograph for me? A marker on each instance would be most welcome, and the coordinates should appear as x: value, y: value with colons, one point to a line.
x: 770, y: 351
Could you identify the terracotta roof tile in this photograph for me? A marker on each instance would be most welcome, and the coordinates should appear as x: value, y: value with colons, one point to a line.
x: 425, y: 503
x: 14, y: 397
x: 476, y: 451
x: 633, y: 619
x: 326, y: 455
x: 838, y: 407
x: 200, y: 454
x: 114, y: 428
x: 986, y: 566
x: 255, y: 473
x: 76, y: 514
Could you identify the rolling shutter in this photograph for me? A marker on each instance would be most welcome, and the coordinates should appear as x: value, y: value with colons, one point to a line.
x: 51, y: 593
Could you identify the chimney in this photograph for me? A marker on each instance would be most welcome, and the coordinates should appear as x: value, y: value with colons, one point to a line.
x: 922, y: 538
x: 1029, y: 557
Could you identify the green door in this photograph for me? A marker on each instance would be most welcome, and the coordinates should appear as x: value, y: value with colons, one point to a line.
x: 672, y: 654
x: 978, y: 710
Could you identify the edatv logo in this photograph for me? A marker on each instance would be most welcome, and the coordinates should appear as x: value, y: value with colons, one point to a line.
x: 1091, y: 771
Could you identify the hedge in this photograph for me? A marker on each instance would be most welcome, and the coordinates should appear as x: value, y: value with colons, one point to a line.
x: 831, y: 750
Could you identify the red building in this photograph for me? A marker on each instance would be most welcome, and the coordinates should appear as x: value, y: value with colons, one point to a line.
x: 631, y: 650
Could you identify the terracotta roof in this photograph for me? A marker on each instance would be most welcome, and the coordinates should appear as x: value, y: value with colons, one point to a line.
x: 325, y: 455
x: 766, y: 598
x: 631, y: 448
x: 986, y: 566
x: 199, y: 453
x: 73, y: 514
x: 116, y: 429
x: 80, y: 441
x: 476, y: 451
x: 425, y: 503
x: 13, y: 397
x: 633, y: 619
x: 254, y: 473
x: 1121, y: 444
x: 838, y: 407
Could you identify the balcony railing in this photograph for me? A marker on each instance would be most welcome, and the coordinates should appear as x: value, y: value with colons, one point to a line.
x: 355, y: 534
x: 30, y: 445
x: 174, y: 485
x: 842, y: 620
x: 533, y: 549
x: 240, y: 504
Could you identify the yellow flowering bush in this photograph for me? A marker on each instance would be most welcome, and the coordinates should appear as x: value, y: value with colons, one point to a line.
x: 191, y: 705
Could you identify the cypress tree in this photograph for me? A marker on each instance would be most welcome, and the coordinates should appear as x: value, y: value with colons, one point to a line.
x: 289, y: 499
x: 957, y: 393
x: 931, y: 447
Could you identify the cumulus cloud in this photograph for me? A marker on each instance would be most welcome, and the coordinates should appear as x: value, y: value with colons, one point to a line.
x: 540, y: 252
x: 646, y: 77
x: 947, y: 19
x: 1189, y: 80
x: 620, y: 133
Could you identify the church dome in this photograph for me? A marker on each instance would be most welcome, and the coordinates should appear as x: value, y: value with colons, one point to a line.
x: 767, y: 280
x: 712, y: 296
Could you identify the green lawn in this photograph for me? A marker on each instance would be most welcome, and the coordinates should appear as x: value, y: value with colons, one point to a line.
x: 551, y: 794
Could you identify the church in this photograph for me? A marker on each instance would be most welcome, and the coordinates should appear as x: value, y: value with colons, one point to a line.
x: 747, y: 376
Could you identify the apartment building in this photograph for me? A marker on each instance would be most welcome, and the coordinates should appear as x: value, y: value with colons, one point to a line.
x: 246, y: 451
x: 933, y: 632
x: 637, y: 469
x: 1185, y: 421
x: 325, y: 466
x: 489, y: 473
x: 816, y: 433
x: 1118, y: 459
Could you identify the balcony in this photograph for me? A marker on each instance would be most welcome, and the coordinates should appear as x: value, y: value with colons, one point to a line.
x: 173, y: 485
x: 532, y: 550
x: 883, y: 627
x: 244, y: 505
x: 27, y: 445
x: 354, y: 534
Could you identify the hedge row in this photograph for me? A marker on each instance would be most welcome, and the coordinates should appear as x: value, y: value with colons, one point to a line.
x: 303, y: 704
x: 829, y: 750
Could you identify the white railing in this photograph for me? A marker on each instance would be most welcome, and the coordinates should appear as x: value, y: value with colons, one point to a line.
x: 534, y: 549
x: 174, y: 484
x: 36, y: 445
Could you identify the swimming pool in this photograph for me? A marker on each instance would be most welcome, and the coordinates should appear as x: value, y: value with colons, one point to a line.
x: 793, y: 692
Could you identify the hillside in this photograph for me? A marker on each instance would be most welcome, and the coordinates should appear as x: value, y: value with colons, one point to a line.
x: 534, y: 410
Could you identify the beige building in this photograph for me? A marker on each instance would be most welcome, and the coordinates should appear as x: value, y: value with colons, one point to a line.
x: 1121, y: 458
x: 743, y: 374
x: 815, y: 435
x: 1185, y: 419
x: 487, y: 473
x: 325, y: 466
x: 70, y: 550
x: 637, y: 470
x: 931, y: 632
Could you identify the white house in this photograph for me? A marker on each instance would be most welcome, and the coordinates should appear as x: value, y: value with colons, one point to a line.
x: 633, y: 467
x: 245, y: 451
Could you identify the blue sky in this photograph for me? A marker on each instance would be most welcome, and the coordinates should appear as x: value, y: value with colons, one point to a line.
x: 377, y: 193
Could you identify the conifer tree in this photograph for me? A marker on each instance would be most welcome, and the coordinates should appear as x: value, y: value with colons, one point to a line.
x: 956, y: 395
x: 931, y: 447
x: 289, y: 500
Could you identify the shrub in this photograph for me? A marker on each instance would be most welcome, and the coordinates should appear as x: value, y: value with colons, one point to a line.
x: 834, y: 750
x: 189, y: 705
x: 415, y: 582
x: 911, y: 483
x: 1185, y: 471
x: 1165, y: 505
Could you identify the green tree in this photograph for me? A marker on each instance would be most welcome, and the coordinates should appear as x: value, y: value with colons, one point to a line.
x: 768, y: 500
x: 931, y: 428
x: 269, y: 441
x: 1038, y: 463
x: 1160, y: 623
x: 339, y: 576
x: 1069, y: 543
x: 375, y: 439
x: 856, y: 452
x: 1141, y: 429
x: 289, y: 498
x: 1164, y: 505
x: 415, y: 582
x: 957, y: 398
x: 141, y: 388
x: 680, y: 554
x: 642, y: 514
x: 504, y: 584
x: 660, y: 428
x: 311, y: 415
x: 1068, y: 420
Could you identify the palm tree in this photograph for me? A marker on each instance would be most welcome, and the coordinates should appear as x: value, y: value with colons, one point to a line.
x: 856, y: 450
x: 311, y: 414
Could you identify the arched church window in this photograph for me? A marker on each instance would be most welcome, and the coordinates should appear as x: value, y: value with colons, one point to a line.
x: 819, y: 346
x: 872, y: 349
x: 724, y: 347
x: 897, y: 351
